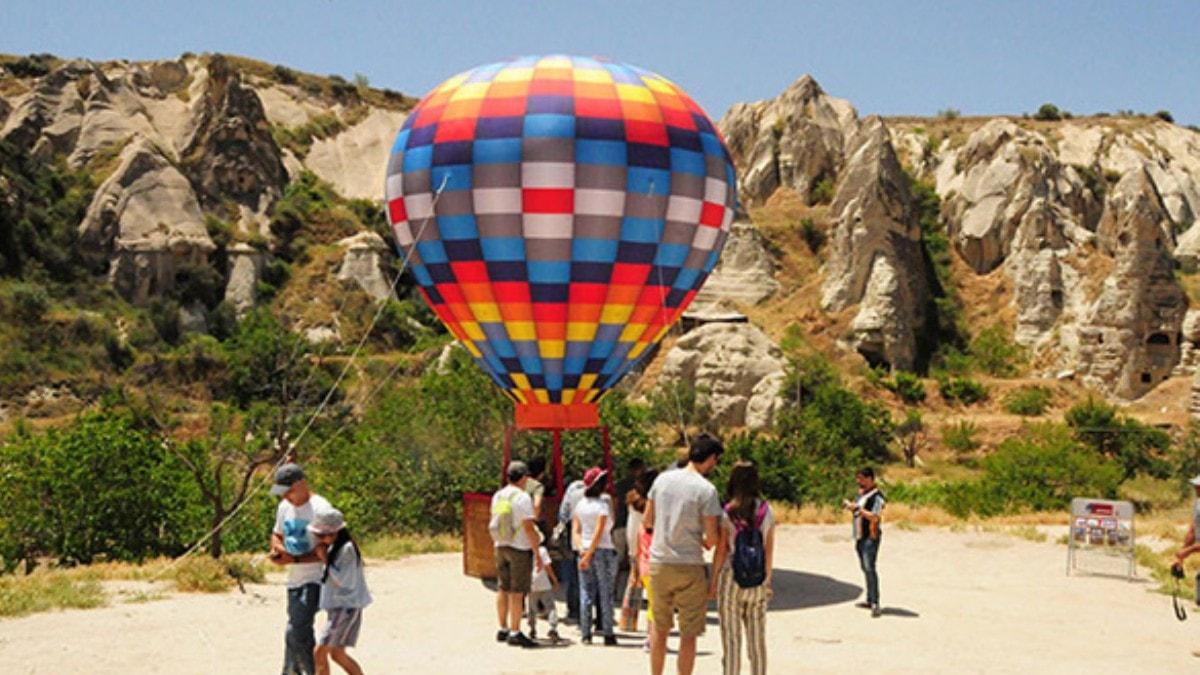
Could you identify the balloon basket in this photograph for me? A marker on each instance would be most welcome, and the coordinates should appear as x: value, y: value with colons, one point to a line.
x: 479, y: 557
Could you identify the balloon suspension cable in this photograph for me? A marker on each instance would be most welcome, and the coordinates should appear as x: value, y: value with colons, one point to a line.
x: 324, y: 401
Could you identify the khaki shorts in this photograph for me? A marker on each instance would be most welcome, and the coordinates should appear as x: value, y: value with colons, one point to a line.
x: 682, y: 588
x: 514, y: 568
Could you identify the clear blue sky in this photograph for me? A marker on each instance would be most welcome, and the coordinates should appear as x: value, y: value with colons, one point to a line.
x: 885, y: 57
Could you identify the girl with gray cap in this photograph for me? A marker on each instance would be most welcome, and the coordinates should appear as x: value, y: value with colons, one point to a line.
x: 344, y: 591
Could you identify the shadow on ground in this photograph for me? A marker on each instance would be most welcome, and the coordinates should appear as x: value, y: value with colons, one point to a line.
x: 802, y: 590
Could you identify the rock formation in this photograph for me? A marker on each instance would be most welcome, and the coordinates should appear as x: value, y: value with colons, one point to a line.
x: 146, y: 220
x: 365, y: 263
x: 743, y: 276
x: 732, y: 366
x: 1129, y: 339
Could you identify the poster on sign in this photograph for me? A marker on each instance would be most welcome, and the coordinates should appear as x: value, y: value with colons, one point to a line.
x: 1104, y: 526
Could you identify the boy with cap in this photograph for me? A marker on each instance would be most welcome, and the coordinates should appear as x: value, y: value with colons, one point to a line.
x: 514, y: 535
x: 292, y: 545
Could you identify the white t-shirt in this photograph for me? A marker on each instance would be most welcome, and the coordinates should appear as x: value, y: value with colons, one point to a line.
x: 768, y: 522
x: 291, y: 522
x: 541, y: 580
x: 522, y: 510
x: 588, y: 511
x: 682, y: 500
x: 346, y: 585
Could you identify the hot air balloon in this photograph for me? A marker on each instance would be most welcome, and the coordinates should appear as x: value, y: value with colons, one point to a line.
x: 558, y: 214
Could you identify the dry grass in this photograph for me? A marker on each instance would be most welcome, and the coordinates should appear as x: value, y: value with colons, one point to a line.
x: 45, y: 590
x: 393, y: 547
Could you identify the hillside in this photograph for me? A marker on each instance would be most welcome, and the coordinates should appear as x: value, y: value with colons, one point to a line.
x: 159, y: 201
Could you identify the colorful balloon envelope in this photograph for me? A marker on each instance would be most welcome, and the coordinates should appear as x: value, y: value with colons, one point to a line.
x: 559, y: 214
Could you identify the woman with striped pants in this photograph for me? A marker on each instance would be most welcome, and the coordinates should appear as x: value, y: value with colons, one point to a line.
x: 741, y: 602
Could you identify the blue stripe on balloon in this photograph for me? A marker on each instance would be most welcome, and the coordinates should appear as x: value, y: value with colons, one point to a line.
x: 594, y: 250
x: 548, y: 271
x: 641, y: 230
x: 418, y: 159
x: 458, y: 227
x: 588, y: 151
x: 421, y: 274
x: 686, y: 279
x: 549, y: 125
x: 503, y: 249
x: 643, y: 180
x: 432, y: 252
x: 457, y: 177
x: 497, y: 151
x: 686, y: 161
x: 712, y: 144
x: 401, y: 140
x: 671, y: 255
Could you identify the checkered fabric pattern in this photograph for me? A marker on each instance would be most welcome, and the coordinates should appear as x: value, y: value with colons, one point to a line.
x: 559, y: 213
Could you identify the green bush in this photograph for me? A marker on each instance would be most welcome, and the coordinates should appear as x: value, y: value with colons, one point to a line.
x: 1044, y: 469
x: 27, y: 302
x: 1153, y: 494
x: 1027, y: 401
x: 1048, y: 112
x: 960, y: 437
x: 1165, y: 115
x: 822, y: 192
x: 909, y: 387
x: 99, y: 487
x: 994, y: 354
x: 1137, y: 447
x: 962, y: 390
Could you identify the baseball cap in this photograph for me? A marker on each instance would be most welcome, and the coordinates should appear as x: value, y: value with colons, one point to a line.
x: 592, y: 475
x: 517, y: 470
x: 285, y: 477
x: 327, y: 522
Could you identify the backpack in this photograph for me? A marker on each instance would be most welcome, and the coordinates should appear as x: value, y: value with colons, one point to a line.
x: 749, y: 552
x: 501, y: 526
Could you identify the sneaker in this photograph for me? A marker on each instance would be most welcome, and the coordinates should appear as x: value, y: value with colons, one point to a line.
x: 502, y: 635
x: 518, y: 639
x: 553, y: 635
x: 876, y: 612
x: 610, y: 640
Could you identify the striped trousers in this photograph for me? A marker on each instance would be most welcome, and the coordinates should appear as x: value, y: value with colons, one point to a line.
x: 742, y: 610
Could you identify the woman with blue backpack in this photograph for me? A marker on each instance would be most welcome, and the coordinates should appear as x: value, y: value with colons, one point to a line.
x: 744, y: 559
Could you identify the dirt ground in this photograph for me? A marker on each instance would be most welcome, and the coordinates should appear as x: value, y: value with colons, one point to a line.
x: 955, y: 602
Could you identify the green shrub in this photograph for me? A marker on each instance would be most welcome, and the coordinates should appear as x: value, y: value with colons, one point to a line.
x: 1048, y: 112
x: 1028, y: 401
x: 960, y: 437
x: 1044, y: 469
x: 822, y: 192
x: 1165, y: 115
x: 1137, y: 447
x: 34, y: 65
x: 962, y: 390
x: 27, y: 302
x: 909, y: 387
x: 949, y: 113
x: 995, y: 354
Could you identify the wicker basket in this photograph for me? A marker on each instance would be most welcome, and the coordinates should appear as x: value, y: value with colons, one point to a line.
x: 479, y: 557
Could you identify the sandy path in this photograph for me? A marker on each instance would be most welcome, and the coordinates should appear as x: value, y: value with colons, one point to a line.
x: 958, y: 602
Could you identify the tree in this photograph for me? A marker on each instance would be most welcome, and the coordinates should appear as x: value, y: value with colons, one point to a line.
x: 911, y: 432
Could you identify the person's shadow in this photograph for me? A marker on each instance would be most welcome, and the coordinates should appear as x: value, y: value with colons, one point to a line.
x: 802, y: 590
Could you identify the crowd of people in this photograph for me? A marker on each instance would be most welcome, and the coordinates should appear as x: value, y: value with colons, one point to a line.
x: 652, y: 529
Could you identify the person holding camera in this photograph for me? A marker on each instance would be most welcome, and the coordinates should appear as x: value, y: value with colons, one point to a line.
x: 868, y: 512
x: 1190, y: 545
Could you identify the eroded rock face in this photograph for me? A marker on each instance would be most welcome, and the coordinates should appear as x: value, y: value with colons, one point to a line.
x: 1129, y: 340
x: 744, y: 275
x: 728, y: 364
x: 232, y: 155
x: 147, y: 221
x: 365, y: 264
x: 355, y: 161
x: 794, y: 141
x: 875, y: 258
x: 246, y: 265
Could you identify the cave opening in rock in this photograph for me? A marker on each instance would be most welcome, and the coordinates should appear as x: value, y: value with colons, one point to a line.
x: 1056, y: 298
x: 1158, y: 339
x: 873, y: 354
x: 1146, y: 378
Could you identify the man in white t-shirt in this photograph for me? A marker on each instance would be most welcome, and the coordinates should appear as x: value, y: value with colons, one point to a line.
x: 682, y: 510
x: 293, y: 545
x: 514, y: 535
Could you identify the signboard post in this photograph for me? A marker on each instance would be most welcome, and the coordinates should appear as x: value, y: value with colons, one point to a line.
x: 1101, y: 525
